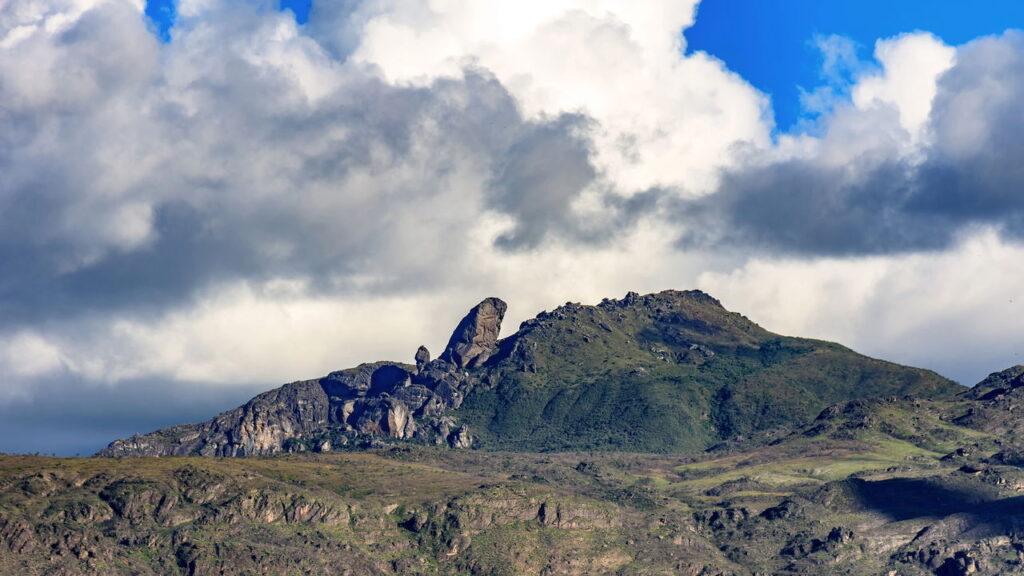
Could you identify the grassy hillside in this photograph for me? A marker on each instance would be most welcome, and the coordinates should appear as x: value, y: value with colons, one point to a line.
x: 665, y: 372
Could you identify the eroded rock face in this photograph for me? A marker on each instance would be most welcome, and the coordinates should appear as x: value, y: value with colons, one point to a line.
x: 363, y: 404
x: 474, y: 339
x: 260, y: 426
x: 386, y: 417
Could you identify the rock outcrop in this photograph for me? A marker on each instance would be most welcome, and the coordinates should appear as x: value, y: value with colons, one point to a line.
x: 998, y: 401
x: 381, y: 517
x: 386, y: 417
x: 998, y: 384
x: 474, y: 339
x: 362, y: 405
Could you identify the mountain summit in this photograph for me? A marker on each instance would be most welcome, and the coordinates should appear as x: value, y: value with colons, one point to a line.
x: 661, y: 372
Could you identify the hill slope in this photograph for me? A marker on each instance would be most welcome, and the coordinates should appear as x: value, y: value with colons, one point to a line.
x: 673, y: 371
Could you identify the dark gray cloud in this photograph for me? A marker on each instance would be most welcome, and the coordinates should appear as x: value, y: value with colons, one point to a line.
x: 545, y: 169
x: 802, y: 207
x: 248, y: 187
x: 971, y: 175
x: 68, y: 416
x: 974, y: 171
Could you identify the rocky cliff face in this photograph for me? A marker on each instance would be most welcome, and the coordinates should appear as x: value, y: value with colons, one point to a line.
x: 366, y: 404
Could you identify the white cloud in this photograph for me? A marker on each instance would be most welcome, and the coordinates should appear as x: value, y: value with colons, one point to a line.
x: 243, y: 205
x: 28, y: 354
x: 955, y: 312
x: 911, y: 66
x: 240, y: 334
x: 871, y: 110
x: 21, y: 19
x: 662, y: 119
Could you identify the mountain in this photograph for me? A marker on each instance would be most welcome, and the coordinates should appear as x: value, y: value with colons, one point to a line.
x: 666, y: 372
x: 682, y: 439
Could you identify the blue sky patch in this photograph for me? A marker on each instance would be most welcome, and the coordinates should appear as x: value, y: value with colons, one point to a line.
x: 163, y: 13
x: 773, y: 43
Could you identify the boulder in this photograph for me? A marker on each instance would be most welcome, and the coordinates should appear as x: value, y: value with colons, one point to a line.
x: 422, y: 358
x: 460, y: 438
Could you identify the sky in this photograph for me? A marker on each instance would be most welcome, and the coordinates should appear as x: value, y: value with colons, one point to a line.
x: 205, y: 199
x: 774, y: 44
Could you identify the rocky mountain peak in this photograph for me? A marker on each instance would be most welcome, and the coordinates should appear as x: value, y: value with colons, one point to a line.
x: 666, y: 371
x: 476, y: 335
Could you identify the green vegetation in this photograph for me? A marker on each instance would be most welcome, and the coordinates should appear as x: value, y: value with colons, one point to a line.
x: 872, y: 486
x: 665, y: 372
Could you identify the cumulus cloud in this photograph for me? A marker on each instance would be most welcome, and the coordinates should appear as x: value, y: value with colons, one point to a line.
x: 923, y: 154
x: 257, y: 201
x: 907, y: 81
x: 897, y: 229
x: 661, y: 120
x: 243, y: 151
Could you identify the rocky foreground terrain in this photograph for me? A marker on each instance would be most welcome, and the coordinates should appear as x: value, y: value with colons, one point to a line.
x: 655, y: 434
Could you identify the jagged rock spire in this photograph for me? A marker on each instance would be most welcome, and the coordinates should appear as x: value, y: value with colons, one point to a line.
x: 473, y: 340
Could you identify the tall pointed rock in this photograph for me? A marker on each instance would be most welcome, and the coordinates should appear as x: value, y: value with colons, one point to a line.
x: 474, y: 339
